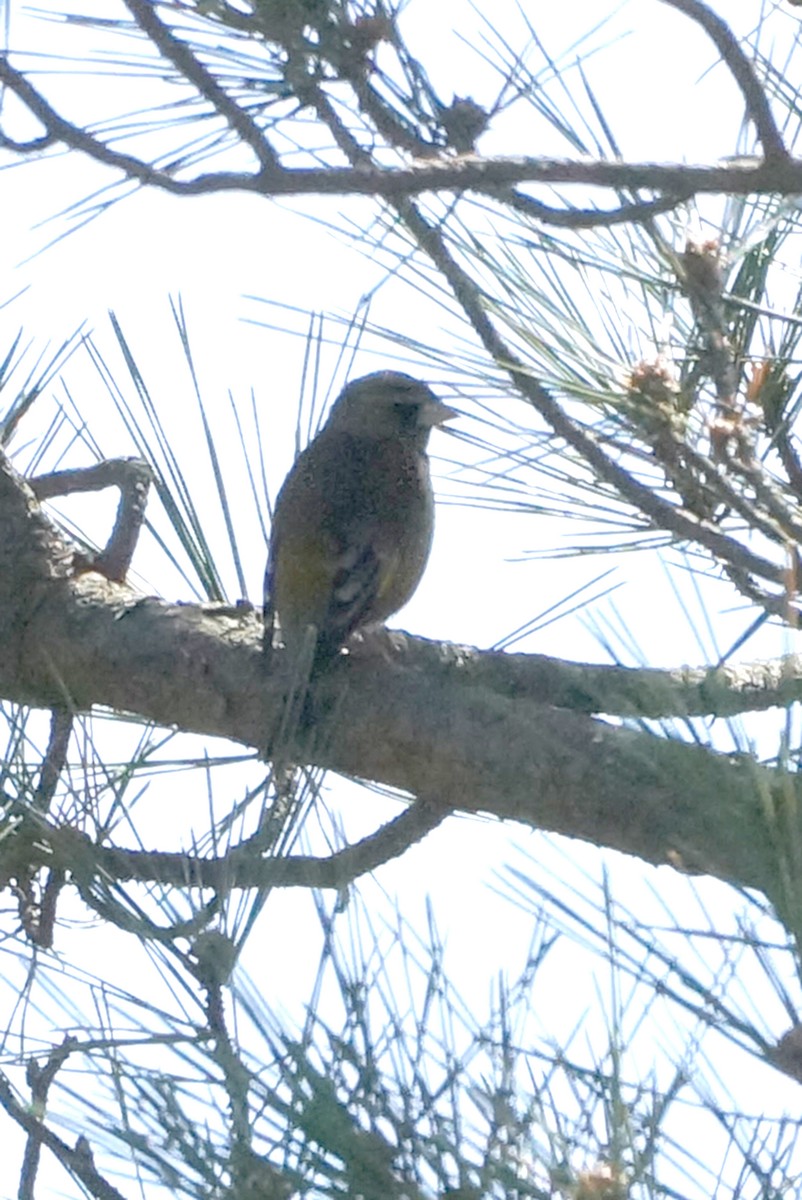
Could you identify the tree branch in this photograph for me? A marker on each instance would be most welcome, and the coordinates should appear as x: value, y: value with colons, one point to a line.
x: 590, y: 218
x: 742, y: 70
x: 187, y: 65
x: 240, y: 867
x: 77, y: 1161
x: 449, y: 173
x: 133, y: 477
x: 476, y: 732
x: 441, y: 733
x: 661, y: 513
x: 649, y: 693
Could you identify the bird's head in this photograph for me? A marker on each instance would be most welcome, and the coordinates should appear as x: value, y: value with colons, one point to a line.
x: 388, y: 404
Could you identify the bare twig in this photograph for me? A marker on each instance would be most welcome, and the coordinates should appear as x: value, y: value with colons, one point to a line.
x: 56, y: 755
x: 39, y: 1080
x: 39, y: 919
x: 215, y: 955
x: 388, y: 123
x: 590, y: 218
x: 664, y: 515
x: 449, y: 173
x: 757, y: 104
x: 244, y: 870
x: 775, y: 520
x: 111, y: 472
x: 787, y: 519
x: 789, y: 459
x: 133, y: 477
x: 61, y: 130
x: 34, y: 146
x: 185, y: 62
x: 36, y: 905
x: 56, y: 878
x: 76, y: 1160
x: 699, y: 270
x: 342, y: 135
x: 773, y: 604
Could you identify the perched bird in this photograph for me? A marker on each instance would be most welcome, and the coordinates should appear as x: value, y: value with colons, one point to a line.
x: 354, y: 519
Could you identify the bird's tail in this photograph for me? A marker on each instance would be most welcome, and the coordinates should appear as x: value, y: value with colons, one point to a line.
x: 294, y: 717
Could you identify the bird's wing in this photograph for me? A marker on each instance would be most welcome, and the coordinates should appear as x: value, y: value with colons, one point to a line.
x: 357, y: 582
x: 334, y: 586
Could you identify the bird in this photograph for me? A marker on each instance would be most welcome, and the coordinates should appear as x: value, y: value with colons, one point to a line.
x: 353, y: 521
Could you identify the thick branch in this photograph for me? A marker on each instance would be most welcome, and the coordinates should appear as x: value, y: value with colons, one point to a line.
x: 473, y: 732
x: 441, y: 733
x: 650, y: 693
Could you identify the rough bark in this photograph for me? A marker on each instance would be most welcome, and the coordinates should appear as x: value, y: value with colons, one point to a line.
x: 442, y: 722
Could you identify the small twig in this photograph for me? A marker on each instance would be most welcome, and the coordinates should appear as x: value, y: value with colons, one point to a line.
x: 355, y: 65
x: 699, y: 271
x: 387, y: 122
x: 61, y: 130
x: 215, y: 955
x: 771, y: 498
x: 776, y: 521
x: 111, y: 472
x: 34, y: 146
x: 342, y: 135
x: 133, y: 478
x: 242, y: 869
x: 39, y: 1080
x: 665, y: 515
x: 774, y: 605
x: 47, y: 906
x: 76, y: 1161
x: 61, y: 722
x: 37, y: 911
x: 757, y: 104
x: 448, y: 173
x: 789, y: 459
x: 590, y: 218
x: 185, y: 62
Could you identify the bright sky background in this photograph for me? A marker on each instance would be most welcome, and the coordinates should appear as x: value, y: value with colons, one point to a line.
x: 219, y: 252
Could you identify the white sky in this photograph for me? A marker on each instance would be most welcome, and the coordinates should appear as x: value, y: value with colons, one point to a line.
x: 217, y: 251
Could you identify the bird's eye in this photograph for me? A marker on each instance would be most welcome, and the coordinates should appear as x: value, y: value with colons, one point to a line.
x: 406, y: 413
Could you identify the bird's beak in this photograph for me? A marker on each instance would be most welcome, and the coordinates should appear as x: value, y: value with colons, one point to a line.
x: 434, y: 412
